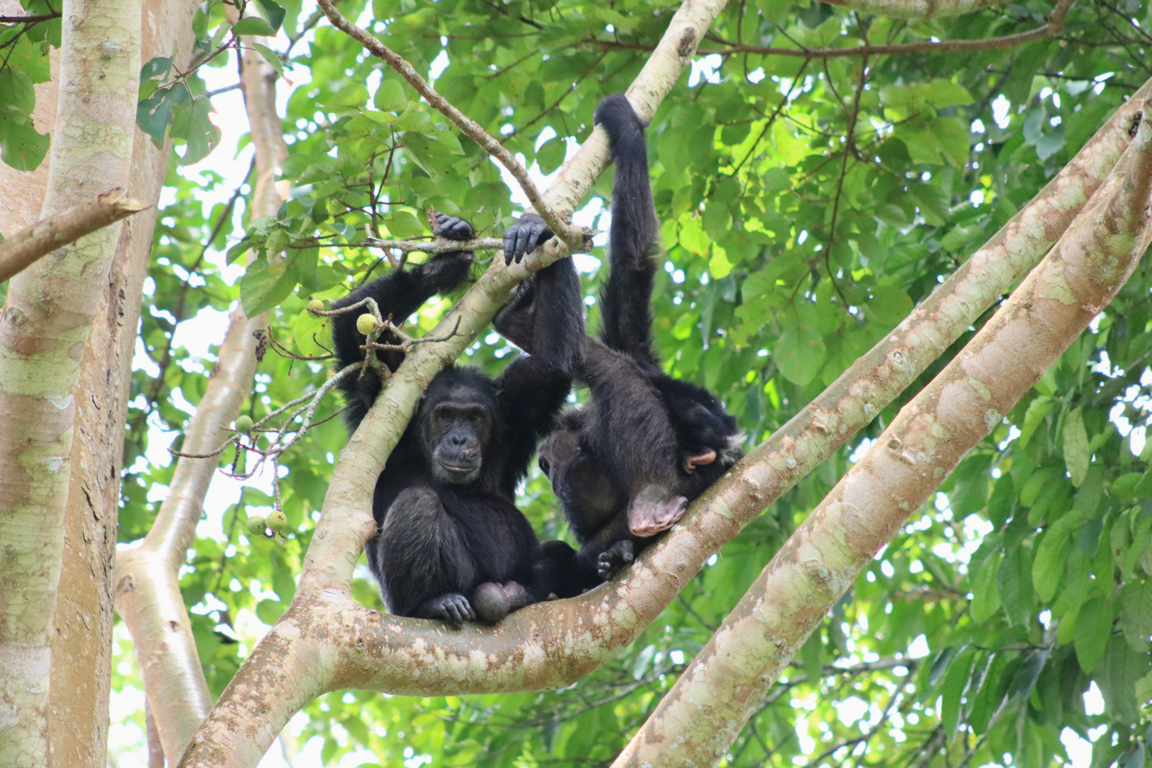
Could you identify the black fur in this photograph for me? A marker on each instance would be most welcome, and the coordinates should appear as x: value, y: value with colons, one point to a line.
x: 625, y: 467
x: 451, y: 543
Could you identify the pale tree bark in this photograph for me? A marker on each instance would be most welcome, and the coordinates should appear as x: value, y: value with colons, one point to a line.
x: 81, y: 649
x: 43, y: 332
x: 20, y: 251
x: 702, y: 715
x: 147, y: 584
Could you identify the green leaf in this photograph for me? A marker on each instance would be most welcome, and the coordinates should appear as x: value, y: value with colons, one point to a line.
x: 156, y: 68
x: 1050, y: 143
x: 799, y: 353
x: 253, y: 25
x: 1093, y: 626
x: 415, y: 120
x: 987, y: 701
x: 1136, y: 613
x: 952, y: 138
x: 21, y: 147
x: 390, y: 97
x: 353, y: 95
x: 1033, y: 418
x: 1052, y: 553
x: 271, y: 57
x: 1029, y: 672
x: 261, y: 288
x: 692, y: 236
x: 154, y: 114
x: 273, y: 13
x: 192, y: 122
x: 16, y: 92
x: 932, y: 202
x: 270, y: 611
x: 985, y: 592
x: 1076, y: 453
x: 945, y: 93
x: 551, y: 154
x: 955, y: 682
x: 404, y: 225
x: 718, y: 265
x: 1015, y: 582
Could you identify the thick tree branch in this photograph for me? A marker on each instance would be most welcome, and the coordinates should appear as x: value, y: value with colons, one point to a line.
x: 22, y: 249
x: 708, y: 707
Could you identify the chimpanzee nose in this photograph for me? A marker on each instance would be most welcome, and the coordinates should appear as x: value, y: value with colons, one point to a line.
x: 457, y: 440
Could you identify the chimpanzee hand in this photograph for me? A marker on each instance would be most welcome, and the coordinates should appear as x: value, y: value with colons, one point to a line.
x: 453, y: 228
x: 451, y: 607
x: 613, y: 559
x: 528, y: 233
x: 445, y: 271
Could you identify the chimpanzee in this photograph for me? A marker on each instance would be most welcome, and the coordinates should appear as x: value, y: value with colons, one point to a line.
x: 451, y: 543
x: 626, y: 466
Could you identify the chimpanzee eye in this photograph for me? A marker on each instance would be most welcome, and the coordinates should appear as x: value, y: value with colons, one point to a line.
x: 544, y: 465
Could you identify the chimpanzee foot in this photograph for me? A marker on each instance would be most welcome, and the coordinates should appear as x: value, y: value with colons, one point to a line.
x: 451, y: 607
x: 613, y: 559
x: 654, y: 510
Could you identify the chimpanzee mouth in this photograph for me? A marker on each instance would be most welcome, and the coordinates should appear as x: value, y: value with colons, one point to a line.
x: 459, y: 469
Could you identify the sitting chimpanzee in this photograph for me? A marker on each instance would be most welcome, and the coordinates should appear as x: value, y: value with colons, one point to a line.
x: 626, y: 466
x: 451, y: 543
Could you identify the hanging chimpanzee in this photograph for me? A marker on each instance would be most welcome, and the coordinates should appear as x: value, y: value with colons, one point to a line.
x: 626, y: 466
x: 451, y: 543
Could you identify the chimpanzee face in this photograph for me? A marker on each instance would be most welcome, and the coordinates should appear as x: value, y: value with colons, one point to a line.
x: 455, y: 431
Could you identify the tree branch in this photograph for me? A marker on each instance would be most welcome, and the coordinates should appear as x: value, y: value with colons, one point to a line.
x: 21, y: 250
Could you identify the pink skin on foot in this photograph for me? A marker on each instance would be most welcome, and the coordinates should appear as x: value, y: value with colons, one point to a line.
x: 654, y: 510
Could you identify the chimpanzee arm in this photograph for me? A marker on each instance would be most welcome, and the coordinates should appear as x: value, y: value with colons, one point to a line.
x: 633, y: 235
x: 533, y: 388
x: 397, y: 295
